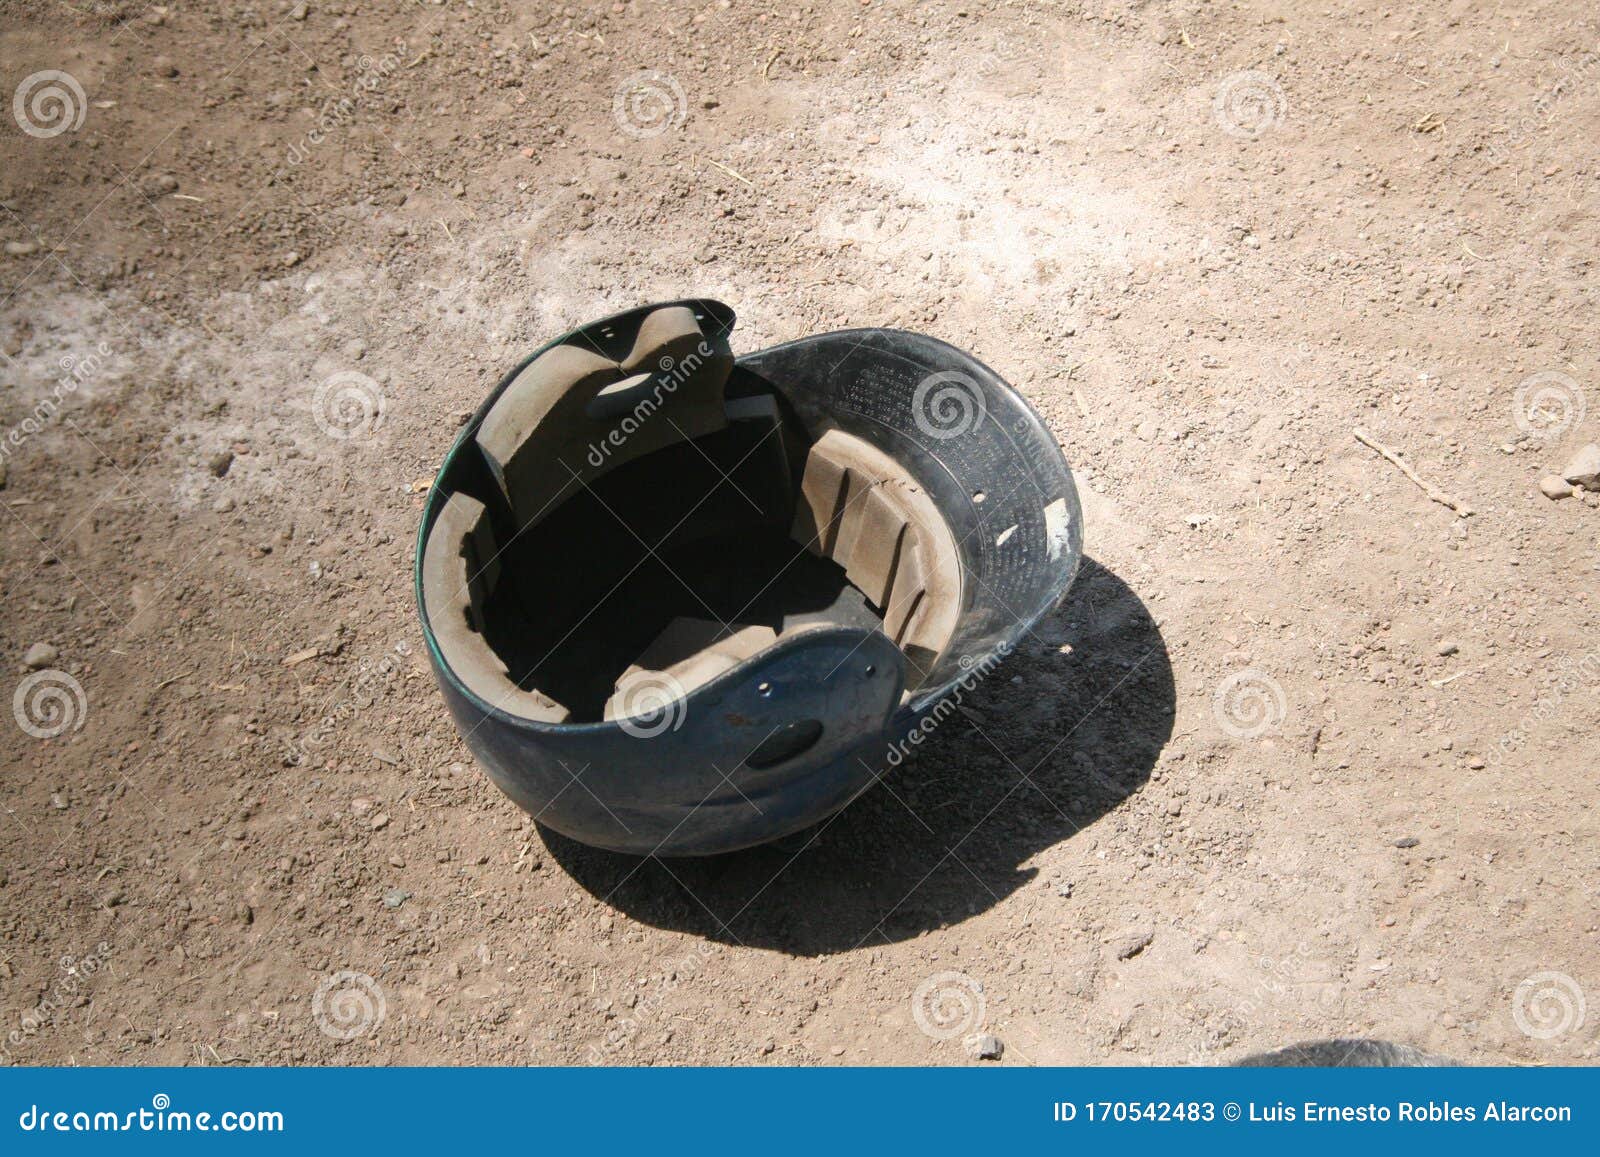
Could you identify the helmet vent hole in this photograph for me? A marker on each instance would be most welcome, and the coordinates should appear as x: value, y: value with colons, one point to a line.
x: 785, y: 743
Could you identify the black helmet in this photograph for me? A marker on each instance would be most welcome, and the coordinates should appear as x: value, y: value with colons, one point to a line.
x: 681, y: 603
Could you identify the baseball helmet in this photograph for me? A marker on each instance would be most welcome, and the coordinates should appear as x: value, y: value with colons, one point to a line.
x: 680, y: 602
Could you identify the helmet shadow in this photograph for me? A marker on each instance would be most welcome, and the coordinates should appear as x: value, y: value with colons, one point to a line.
x: 951, y: 832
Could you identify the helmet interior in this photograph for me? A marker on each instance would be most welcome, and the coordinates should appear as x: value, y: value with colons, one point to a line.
x: 638, y: 506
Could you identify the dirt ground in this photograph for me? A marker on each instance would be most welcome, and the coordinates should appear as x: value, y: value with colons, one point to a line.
x: 1305, y: 753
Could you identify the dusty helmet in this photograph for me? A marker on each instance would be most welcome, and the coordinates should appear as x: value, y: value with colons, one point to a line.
x: 680, y: 603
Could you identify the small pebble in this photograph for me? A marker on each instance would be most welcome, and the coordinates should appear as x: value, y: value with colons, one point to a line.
x: 40, y: 655
x: 220, y: 462
x: 1407, y: 842
x: 159, y: 185
x: 1131, y: 945
x: 1552, y: 487
x: 988, y: 1047
x: 1447, y: 647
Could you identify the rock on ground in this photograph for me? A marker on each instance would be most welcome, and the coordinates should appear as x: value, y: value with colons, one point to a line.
x: 1584, y: 469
